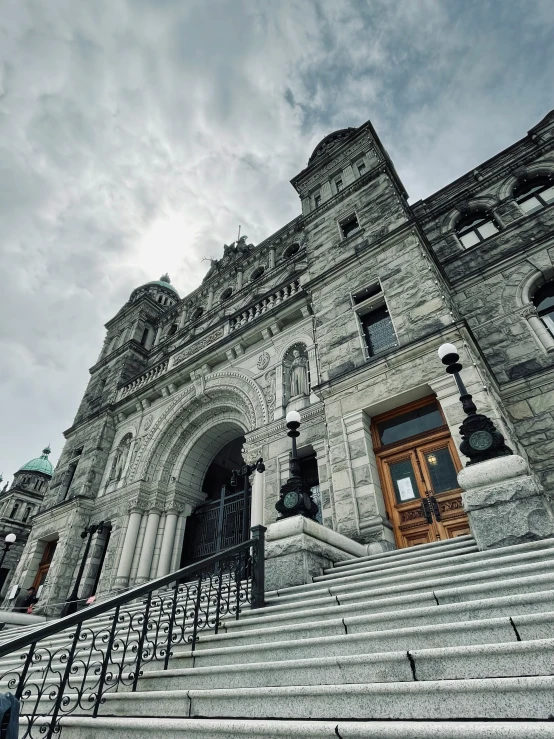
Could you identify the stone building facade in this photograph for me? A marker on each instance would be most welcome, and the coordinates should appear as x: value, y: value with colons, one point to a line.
x: 19, y: 502
x: 338, y: 315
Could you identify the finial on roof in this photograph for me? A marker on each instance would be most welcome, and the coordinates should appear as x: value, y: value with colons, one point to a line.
x: 46, y: 451
x: 165, y: 278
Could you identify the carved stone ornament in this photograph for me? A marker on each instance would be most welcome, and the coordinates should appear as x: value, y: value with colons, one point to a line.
x: 196, y: 347
x: 148, y: 422
x: 263, y: 360
x: 528, y: 311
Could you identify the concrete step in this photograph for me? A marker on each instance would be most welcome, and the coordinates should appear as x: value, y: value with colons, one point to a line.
x: 461, y: 560
x: 518, y: 698
x: 374, y: 638
x: 398, y: 585
x: 205, y: 728
x: 512, y: 659
x: 365, y: 603
x: 392, y: 554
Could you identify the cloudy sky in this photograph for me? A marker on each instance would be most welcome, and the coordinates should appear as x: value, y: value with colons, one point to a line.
x: 136, y: 135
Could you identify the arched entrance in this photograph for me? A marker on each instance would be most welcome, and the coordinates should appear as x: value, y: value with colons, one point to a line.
x: 222, y: 521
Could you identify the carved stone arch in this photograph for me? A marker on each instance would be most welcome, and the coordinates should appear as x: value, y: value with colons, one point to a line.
x: 506, y: 189
x: 533, y: 279
x: 180, y: 400
x: 485, y: 202
x: 305, y: 339
x: 193, y: 451
x: 230, y: 388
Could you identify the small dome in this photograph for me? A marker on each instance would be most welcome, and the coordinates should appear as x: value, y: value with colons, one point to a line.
x: 40, y: 464
x: 330, y: 142
x: 164, y: 282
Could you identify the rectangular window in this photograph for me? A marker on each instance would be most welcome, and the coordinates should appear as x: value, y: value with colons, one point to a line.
x: 349, y: 226
x: 368, y: 292
x: 411, y: 423
x: 378, y: 330
x: 15, y: 509
x: 469, y: 239
x: 338, y: 184
x: 317, y: 200
x: 487, y: 229
x: 548, y: 195
x: 361, y: 168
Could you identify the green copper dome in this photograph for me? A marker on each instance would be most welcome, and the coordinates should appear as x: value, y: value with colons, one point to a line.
x: 40, y: 464
x: 164, y: 281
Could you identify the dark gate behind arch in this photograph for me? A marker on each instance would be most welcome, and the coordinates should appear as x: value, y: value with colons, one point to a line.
x: 219, y: 524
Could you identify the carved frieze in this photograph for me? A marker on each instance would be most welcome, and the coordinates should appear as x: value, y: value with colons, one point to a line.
x: 197, y: 346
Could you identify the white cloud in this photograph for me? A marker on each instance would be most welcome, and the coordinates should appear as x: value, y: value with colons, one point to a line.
x: 135, y: 136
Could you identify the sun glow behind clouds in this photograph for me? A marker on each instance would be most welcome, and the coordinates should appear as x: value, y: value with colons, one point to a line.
x: 165, y: 244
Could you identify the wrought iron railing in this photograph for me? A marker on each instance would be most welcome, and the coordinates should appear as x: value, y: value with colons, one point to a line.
x: 68, y: 666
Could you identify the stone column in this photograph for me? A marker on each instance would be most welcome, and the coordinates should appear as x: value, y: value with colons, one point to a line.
x: 158, y: 336
x: 272, y: 257
x: 543, y: 334
x: 147, y: 551
x: 312, y: 360
x: 210, y: 299
x: 166, y: 550
x: 257, y: 513
x: 126, y: 558
x: 239, y: 279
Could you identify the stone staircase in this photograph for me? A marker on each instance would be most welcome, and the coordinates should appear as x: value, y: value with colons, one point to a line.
x: 436, y: 641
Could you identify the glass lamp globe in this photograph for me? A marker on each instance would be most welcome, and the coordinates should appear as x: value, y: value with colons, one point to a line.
x: 293, y: 417
x: 10, y: 538
x: 445, y: 349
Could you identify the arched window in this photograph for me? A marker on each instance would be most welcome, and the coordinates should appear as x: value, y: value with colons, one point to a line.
x: 291, y: 251
x: 197, y: 313
x: 14, y: 511
x: 226, y: 294
x: 543, y: 300
x: 476, y: 227
x: 172, y: 329
x: 535, y: 193
x: 26, y: 514
x: 257, y: 273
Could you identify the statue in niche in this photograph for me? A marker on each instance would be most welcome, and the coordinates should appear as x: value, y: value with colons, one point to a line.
x: 120, y: 460
x: 299, y: 381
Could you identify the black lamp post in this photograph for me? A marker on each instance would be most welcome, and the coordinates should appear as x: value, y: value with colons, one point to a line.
x: 480, y: 438
x: 246, y: 470
x: 296, y: 496
x: 9, y: 540
x: 71, y: 602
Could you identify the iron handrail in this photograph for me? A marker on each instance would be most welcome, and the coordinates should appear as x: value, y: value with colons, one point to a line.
x: 54, y: 678
x: 98, y: 609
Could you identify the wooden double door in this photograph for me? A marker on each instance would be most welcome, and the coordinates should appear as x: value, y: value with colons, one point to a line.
x: 422, y: 494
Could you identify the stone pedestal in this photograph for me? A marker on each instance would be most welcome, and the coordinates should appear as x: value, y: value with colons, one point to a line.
x: 297, y: 549
x: 505, y: 503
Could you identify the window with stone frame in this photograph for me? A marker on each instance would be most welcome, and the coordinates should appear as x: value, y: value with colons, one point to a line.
x: 349, y: 226
x: 376, y: 326
x: 543, y: 300
x: 535, y: 193
x: 26, y: 514
x: 15, y: 510
x: 317, y: 200
x: 475, y: 228
x: 360, y: 166
x: 339, y: 184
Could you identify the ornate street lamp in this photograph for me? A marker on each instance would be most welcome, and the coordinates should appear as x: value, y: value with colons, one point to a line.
x: 296, y: 497
x: 72, y: 599
x: 9, y: 539
x: 480, y: 438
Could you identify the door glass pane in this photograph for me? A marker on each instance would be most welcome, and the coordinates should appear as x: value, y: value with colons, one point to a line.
x: 404, y: 481
x: 408, y: 424
x: 442, y: 471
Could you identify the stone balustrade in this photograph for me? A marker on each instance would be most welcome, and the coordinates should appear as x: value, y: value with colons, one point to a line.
x: 152, y: 374
x: 263, y: 306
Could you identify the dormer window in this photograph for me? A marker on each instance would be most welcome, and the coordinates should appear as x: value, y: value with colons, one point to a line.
x: 226, y: 294
x: 257, y: 273
x: 535, y: 194
x: 317, y: 200
x: 197, y: 313
x: 349, y: 226
x: 476, y: 227
x: 172, y: 329
x: 339, y: 184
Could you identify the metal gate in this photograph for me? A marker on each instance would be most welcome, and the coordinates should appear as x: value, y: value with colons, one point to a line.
x: 220, y: 524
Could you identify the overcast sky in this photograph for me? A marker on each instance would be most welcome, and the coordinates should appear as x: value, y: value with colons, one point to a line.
x: 136, y: 135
